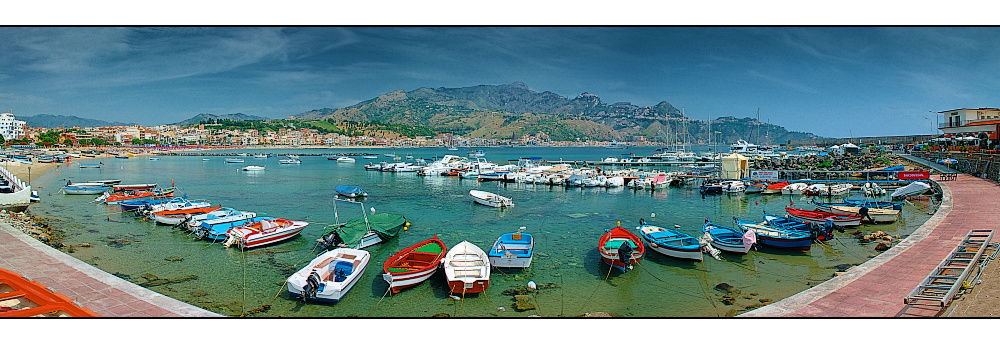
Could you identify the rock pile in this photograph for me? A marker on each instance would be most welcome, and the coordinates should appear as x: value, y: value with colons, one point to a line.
x: 36, y: 227
x: 828, y: 162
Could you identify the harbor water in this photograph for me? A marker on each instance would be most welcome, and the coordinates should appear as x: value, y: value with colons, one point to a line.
x: 566, y: 222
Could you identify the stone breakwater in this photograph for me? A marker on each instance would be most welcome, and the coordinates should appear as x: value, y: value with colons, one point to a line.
x: 832, y: 162
x: 35, y: 226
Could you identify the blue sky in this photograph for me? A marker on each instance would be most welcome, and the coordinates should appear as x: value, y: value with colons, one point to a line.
x: 832, y: 81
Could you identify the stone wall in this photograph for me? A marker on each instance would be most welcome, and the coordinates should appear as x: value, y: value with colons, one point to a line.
x: 986, y: 166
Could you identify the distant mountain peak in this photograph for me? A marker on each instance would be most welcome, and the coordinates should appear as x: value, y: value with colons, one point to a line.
x: 207, y: 117
x: 60, y: 121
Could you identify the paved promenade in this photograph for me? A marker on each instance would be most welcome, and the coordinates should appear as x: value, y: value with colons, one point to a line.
x: 877, y: 287
x: 99, y: 291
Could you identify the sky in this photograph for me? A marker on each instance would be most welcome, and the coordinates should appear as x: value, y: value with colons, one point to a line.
x: 831, y: 81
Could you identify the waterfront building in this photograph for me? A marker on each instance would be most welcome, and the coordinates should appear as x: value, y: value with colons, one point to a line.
x: 982, y: 123
x: 11, y: 128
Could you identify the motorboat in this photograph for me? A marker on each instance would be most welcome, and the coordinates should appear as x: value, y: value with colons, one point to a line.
x: 613, y: 252
x: 670, y: 242
x: 490, y: 199
x: 253, y: 168
x: 330, y: 276
x: 345, y: 159
x: 263, y: 232
x: 912, y: 189
x: 350, y: 191
x: 794, y: 189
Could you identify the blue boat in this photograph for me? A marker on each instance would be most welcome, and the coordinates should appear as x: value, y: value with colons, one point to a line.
x: 217, y: 231
x: 785, y: 222
x: 85, y: 189
x: 728, y: 239
x: 350, y: 191
x: 512, y: 250
x: 775, y: 236
x: 670, y: 242
x: 136, y: 204
x: 713, y: 188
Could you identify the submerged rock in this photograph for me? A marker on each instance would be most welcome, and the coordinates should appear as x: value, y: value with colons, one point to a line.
x: 523, y: 303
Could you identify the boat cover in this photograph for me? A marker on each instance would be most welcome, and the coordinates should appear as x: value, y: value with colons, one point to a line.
x: 384, y: 224
x: 349, y: 190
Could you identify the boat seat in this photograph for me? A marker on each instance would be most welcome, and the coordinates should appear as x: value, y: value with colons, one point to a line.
x: 468, y: 273
x: 466, y: 263
x: 614, y: 244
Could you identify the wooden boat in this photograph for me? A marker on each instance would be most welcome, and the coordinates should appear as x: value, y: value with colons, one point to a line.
x: 875, y: 215
x: 330, y: 276
x: 263, y: 232
x: 24, y: 298
x: 124, y: 195
x: 106, y: 181
x: 490, y: 199
x: 611, y: 244
x: 670, y: 242
x: 729, y: 239
x: 414, y: 264
x: 350, y: 191
x: 171, y: 204
x: 139, y: 203
x: 467, y: 269
x: 912, y: 189
x: 512, y: 250
x: 77, y: 189
x: 775, y: 236
x: 786, y: 222
x: 774, y: 188
x: 133, y: 187
x: 364, y: 231
x: 174, y: 217
x: 819, y: 217
x: 253, y: 168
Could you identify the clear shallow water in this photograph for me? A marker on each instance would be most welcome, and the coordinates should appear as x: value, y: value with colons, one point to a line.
x: 566, y: 223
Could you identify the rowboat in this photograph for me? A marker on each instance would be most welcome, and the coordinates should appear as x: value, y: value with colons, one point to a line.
x: 234, y: 160
x: 134, y: 187
x: 874, y: 204
x: 24, y: 298
x: 218, y: 216
x: 90, y: 165
x: 263, y: 232
x: 174, y: 217
x: 106, y: 181
x: 217, y: 229
x: 490, y: 199
x: 467, y: 269
x: 912, y: 189
x: 620, y: 248
x: 775, y: 236
x: 253, y: 168
x: 786, y: 222
x: 729, y: 239
x: 512, y: 250
x: 670, y: 242
x: 774, y: 188
x: 819, y: 217
x: 125, y: 195
x: 350, y: 191
x: 78, y: 189
x: 413, y: 264
x: 330, y: 276
x: 875, y: 215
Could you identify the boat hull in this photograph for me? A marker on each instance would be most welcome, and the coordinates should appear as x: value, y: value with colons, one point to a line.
x: 330, y: 290
x: 612, y: 240
x: 671, y: 243
x: 467, y: 269
x: 726, y: 239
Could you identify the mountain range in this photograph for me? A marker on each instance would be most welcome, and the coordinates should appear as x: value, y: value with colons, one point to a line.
x: 208, y: 117
x: 60, y: 121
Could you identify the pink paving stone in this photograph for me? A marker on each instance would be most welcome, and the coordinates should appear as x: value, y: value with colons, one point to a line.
x: 159, y: 312
x: 121, y: 311
x: 104, y: 303
x: 141, y: 305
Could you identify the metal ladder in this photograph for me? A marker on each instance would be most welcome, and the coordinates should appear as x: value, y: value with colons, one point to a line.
x: 943, y: 283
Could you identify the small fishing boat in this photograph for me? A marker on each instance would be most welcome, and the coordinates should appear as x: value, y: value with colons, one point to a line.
x: 794, y: 189
x: 234, y: 160
x: 216, y: 230
x: 711, y: 188
x: 263, y: 232
x: 345, y: 159
x: 512, y: 250
x: 350, y: 191
x: 139, y: 203
x: 477, y: 153
x: 175, y: 217
x: 413, y: 264
x: 154, y: 158
x: 490, y: 199
x: 374, y: 166
x: 873, y: 204
x: 912, y: 189
x: 260, y: 156
x: 671, y: 243
x: 330, y: 276
x: 219, y: 216
x: 106, y: 181
x: 290, y: 161
x: 870, y: 189
x: 371, y: 156
x: 124, y: 195
x: 80, y: 189
x: 364, y: 231
x: 82, y: 165
x: 733, y: 186
x: 775, y: 236
x: 467, y: 269
x: 171, y: 204
x: 133, y: 187
x: 875, y: 215
x: 756, y: 188
x: 21, y: 297
x: 819, y: 217
x: 774, y: 188
x: 786, y: 222
x: 729, y: 239
x: 620, y: 248
x: 253, y: 168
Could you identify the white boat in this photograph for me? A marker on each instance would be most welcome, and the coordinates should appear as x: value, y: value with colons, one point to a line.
x: 330, y: 276
x: 616, y: 145
x: 877, y: 215
x: 260, y: 156
x: 467, y: 269
x: 234, y: 160
x: 290, y: 161
x: 19, y: 196
x: 512, y: 250
x: 345, y: 159
x: 490, y: 199
x: 870, y: 189
x: 912, y: 189
x: 733, y: 186
x: 794, y: 189
x: 223, y: 215
x: 371, y: 156
x: 253, y: 168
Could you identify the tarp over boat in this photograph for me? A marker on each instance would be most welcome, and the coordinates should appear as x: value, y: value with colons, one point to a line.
x: 350, y: 190
x: 383, y: 224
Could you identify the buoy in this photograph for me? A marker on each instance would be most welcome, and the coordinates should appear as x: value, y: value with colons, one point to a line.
x: 501, y: 308
x: 406, y: 228
x: 456, y: 297
x: 652, y: 215
x: 531, y: 284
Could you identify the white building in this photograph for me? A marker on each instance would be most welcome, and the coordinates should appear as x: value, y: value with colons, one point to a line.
x: 10, y: 127
x: 976, y: 123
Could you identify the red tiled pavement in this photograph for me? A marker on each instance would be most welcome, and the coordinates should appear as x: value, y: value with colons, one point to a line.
x: 878, y: 286
x: 106, y: 295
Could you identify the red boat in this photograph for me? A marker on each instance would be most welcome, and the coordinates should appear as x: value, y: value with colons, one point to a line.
x: 174, y: 217
x: 413, y: 264
x: 819, y: 217
x: 134, y: 187
x: 613, y: 240
x: 136, y: 194
x: 264, y: 232
x: 21, y: 298
x: 774, y: 188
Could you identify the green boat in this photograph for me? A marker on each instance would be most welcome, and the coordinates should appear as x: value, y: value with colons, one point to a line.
x: 364, y: 231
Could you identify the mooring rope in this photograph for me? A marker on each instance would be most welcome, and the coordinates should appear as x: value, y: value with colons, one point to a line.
x: 387, y: 290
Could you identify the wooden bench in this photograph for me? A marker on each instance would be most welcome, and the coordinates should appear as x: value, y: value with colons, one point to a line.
x: 949, y: 176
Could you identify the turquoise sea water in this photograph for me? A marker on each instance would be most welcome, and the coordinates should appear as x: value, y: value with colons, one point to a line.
x: 566, y: 223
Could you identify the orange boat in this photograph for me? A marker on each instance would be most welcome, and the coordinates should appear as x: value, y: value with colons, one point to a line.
x: 174, y: 217
x: 22, y: 298
x: 134, y: 195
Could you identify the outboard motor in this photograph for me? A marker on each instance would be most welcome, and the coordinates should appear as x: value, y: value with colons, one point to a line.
x: 311, y: 287
x: 625, y: 255
x: 331, y: 241
x: 199, y: 232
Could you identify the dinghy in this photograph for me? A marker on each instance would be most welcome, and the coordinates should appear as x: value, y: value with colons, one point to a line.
x: 819, y: 217
x: 467, y: 269
x: 512, y: 250
x: 613, y: 250
x: 330, y: 276
x: 414, y: 264
x: 670, y: 242
x: 490, y: 199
